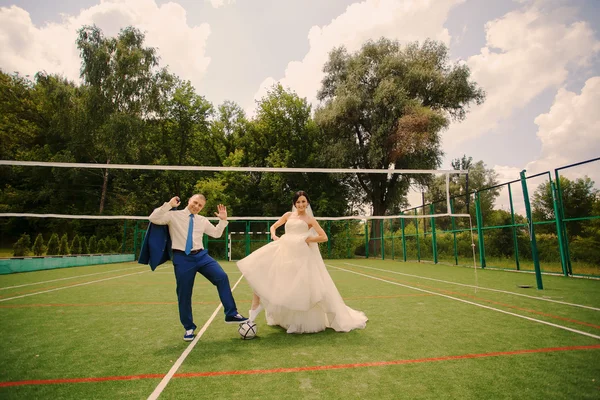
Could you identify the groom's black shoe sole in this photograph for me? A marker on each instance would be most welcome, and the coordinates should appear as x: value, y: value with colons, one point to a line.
x: 232, y: 320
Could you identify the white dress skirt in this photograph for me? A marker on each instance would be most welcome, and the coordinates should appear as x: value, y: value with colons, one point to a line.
x: 295, y: 287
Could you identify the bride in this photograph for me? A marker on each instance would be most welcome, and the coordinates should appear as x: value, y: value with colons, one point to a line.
x: 290, y: 280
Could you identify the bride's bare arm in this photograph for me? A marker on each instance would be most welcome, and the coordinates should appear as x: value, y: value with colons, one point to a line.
x: 278, y: 223
x: 322, y: 235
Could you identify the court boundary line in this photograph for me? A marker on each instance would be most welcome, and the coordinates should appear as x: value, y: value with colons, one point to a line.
x: 476, y: 304
x: 71, y: 286
x: 476, y: 287
x: 167, y: 378
x: 70, y: 277
x: 300, y: 369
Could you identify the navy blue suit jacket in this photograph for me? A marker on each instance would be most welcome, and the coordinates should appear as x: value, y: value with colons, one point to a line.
x: 156, y: 248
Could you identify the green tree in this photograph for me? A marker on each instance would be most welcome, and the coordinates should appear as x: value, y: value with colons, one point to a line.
x: 76, y: 245
x: 52, y: 245
x: 84, y: 246
x: 38, y: 246
x: 385, y: 106
x: 124, y: 85
x: 93, y: 245
x: 283, y: 134
x: 579, y: 197
x: 22, y: 247
x: 101, y: 247
x: 63, y: 246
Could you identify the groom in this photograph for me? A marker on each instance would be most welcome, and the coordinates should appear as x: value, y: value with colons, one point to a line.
x: 186, y: 229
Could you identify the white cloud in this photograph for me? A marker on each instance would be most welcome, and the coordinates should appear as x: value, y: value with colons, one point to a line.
x: 219, y: 3
x: 570, y: 131
x: 405, y: 21
x: 528, y: 51
x: 27, y: 48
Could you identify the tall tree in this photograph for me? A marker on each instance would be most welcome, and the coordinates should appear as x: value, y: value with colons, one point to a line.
x: 283, y: 134
x: 385, y: 106
x: 124, y: 85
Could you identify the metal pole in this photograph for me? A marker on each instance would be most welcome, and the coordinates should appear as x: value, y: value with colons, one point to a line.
x: 417, y: 236
x: 534, y: 252
x: 514, y: 228
x: 366, y: 239
x: 480, y: 230
x: 402, y: 226
x: 558, y: 220
x: 454, y: 232
x: 329, y: 239
x: 433, y: 236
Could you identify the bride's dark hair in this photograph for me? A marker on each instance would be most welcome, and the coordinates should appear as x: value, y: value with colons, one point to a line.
x: 297, y: 196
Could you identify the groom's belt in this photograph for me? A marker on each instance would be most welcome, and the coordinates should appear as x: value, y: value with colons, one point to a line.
x: 193, y: 252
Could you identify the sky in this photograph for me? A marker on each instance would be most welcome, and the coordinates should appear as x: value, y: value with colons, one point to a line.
x: 537, y: 60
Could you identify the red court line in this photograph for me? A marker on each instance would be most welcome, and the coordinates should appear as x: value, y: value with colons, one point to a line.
x: 300, y: 369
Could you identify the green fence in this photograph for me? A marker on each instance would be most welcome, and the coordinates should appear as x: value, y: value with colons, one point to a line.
x: 28, y: 264
x: 498, y: 233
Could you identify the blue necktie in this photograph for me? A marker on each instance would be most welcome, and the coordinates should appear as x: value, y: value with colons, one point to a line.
x: 189, y: 243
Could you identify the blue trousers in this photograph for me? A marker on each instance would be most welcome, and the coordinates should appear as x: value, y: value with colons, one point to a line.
x: 186, y: 267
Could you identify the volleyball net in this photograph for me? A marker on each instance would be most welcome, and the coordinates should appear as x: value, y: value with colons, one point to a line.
x: 111, y: 203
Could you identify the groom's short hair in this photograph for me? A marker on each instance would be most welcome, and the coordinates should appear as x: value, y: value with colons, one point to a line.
x: 199, y: 195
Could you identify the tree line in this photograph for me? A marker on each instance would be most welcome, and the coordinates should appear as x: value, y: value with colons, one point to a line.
x: 383, y: 106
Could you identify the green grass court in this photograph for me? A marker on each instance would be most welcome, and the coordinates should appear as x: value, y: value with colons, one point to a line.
x: 113, y: 332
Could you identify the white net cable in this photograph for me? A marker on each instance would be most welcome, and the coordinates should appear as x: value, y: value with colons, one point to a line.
x: 227, y: 169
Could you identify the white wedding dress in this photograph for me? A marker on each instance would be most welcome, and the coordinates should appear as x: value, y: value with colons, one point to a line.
x: 294, y: 285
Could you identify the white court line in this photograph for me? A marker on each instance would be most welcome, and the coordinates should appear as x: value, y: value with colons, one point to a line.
x: 165, y: 381
x: 475, y: 304
x: 71, y: 277
x: 67, y: 287
x: 478, y: 287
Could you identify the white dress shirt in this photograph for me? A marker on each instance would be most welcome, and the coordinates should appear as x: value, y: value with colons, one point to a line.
x: 179, y: 222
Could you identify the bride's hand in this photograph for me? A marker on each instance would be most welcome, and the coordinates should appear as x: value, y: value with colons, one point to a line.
x: 274, y: 237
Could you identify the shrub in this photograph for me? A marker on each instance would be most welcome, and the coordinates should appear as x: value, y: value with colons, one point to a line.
x: 101, y: 246
x: 21, y: 247
x: 76, y: 245
x: 63, y: 246
x: 38, y: 246
x: 52, y: 245
x: 93, y: 245
x: 84, y: 246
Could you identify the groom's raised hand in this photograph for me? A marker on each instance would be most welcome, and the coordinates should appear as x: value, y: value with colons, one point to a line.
x: 222, y: 214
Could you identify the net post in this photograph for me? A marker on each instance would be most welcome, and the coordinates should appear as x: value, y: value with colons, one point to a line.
x: 348, y: 238
x: 562, y: 232
x: 402, y: 226
x: 417, y: 236
x: 381, y: 238
x: 559, y: 234
x: 329, y: 239
x: 247, y: 238
x: 124, y: 237
x: 480, y: 230
x: 453, y: 222
x: 514, y: 228
x: 534, y: 252
x: 366, y: 238
x: 227, y: 242
x: 392, y: 232
x: 433, y: 235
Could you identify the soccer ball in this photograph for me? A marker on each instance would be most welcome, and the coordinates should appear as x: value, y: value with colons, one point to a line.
x: 248, y: 330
